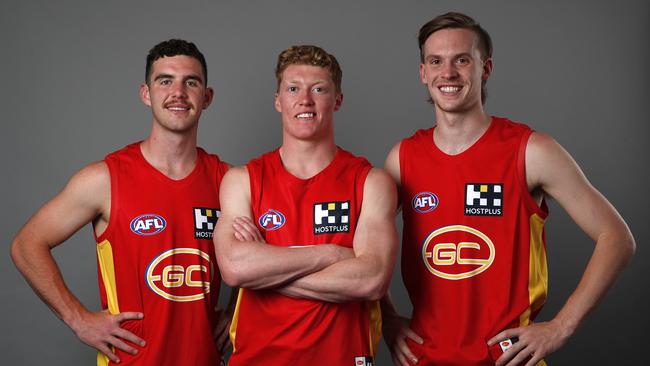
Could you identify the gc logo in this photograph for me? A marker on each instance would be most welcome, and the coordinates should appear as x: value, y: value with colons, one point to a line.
x: 456, y: 252
x: 180, y: 274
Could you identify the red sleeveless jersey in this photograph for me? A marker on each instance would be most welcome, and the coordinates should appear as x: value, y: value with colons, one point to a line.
x: 272, y: 329
x: 156, y: 257
x: 473, y: 252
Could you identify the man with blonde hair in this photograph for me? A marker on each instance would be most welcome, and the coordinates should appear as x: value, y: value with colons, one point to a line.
x: 307, y: 231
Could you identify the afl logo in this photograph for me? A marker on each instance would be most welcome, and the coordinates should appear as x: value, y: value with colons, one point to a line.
x: 180, y: 274
x: 424, y: 202
x: 271, y: 220
x: 148, y: 224
x: 457, y: 252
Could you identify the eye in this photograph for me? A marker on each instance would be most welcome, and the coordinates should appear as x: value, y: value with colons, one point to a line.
x: 435, y: 61
x: 192, y: 83
x: 462, y: 60
x: 292, y: 89
x: 165, y: 82
x: 319, y: 90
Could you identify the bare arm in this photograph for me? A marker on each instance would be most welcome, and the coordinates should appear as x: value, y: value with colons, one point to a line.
x: 85, y: 198
x: 395, y: 327
x: 254, y: 264
x: 552, y: 169
x: 367, y: 275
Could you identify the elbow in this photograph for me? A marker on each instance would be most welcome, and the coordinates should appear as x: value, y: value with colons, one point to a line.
x: 230, y: 275
x: 630, y: 245
x: 16, y: 252
x: 373, y: 289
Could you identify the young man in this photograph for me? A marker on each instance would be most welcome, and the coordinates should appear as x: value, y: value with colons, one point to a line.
x: 153, y: 206
x: 310, y: 283
x: 472, y: 189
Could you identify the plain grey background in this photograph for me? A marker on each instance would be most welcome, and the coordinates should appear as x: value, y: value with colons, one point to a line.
x: 71, y: 70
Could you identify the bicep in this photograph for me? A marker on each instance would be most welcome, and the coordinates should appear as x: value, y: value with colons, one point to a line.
x: 85, y: 197
x: 235, y: 200
x: 551, y: 168
x: 375, y: 233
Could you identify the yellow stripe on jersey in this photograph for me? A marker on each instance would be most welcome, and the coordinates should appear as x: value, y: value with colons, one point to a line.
x: 107, y: 269
x: 235, y: 318
x: 537, y: 272
x: 374, y: 310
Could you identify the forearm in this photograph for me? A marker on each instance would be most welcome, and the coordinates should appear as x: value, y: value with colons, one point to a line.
x: 39, y: 268
x: 610, y: 256
x: 256, y: 265
x: 356, y: 279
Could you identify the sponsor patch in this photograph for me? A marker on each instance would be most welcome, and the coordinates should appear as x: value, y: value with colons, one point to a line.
x: 457, y: 252
x: 483, y: 199
x: 180, y: 274
x: 424, y: 202
x: 204, y: 221
x: 148, y: 224
x: 271, y: 220
x: 363, y: 361
x: 331, y: 217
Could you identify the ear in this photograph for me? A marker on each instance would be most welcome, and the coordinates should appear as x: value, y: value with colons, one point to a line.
x: 487, y: 69
x: 423, y: 75
x: 145, y: 97
x: 276, y: 103
x: 338, y: 102
x: 207, y: 97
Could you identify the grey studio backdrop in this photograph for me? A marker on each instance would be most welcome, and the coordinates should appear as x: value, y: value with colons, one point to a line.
x: 71, y: 69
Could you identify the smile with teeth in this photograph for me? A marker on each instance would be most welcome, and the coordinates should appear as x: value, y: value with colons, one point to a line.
x: 449, y: 89
x: 178, y: 108
x: 306, y: 115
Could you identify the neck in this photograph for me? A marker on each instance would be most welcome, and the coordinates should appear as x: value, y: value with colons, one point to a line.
x: 456, y: 132
x: 305, y: 159
x: 173, y: 154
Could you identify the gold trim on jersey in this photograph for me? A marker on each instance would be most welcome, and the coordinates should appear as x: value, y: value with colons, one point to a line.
x: 537, y: 272
x: 235, y: 318
x: 374, y: 310
x: 107, y: 269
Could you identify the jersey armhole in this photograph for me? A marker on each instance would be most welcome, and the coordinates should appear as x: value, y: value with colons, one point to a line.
x: 113, y: 205
x: 542, y: 209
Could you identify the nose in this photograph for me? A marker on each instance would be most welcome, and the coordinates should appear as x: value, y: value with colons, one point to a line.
x: 178, y: 90
x: 305, y: 97
x: 449, y: 70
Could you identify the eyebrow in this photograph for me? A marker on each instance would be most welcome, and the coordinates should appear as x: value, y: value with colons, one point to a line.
x: 462, y: 54
x: 170, y: 76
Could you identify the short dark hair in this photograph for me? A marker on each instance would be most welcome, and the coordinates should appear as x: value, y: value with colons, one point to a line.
x: 309, y: 55
x: 175, y: 47
x: 462, y: 21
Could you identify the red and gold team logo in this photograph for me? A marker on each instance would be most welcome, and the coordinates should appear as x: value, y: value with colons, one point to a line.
x: 457, y: 252
x: 180, y: 274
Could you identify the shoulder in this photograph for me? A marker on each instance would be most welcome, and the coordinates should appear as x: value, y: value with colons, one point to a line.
x: 547, y: 161
x: 379, y: 183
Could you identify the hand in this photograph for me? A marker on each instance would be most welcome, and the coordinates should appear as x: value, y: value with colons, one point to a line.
x: 245, y: 230
x: 102, y: 330
x: 222, y: 331
x: 535, y: 342
x: 396, y: 330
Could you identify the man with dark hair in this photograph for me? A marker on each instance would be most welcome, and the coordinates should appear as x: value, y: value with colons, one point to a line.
x: 473, y: 192
x: 307, y: 231
x: 153, y: 206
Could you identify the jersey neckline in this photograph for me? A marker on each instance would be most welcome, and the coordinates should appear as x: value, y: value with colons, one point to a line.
x: 469, y: 151
x: 299, y: 181
x: 162, y: 176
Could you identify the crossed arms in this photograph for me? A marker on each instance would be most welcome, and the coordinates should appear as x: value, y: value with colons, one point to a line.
x: 325, y: 272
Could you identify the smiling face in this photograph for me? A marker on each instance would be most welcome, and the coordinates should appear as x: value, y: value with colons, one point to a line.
x: 176, y: 93
x: 453, y: 70
x: 307, y: 99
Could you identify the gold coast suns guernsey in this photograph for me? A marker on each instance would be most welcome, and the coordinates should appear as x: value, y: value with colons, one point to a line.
x: 473, y: 252
x: 272, y: 329
x: 156, y: 257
